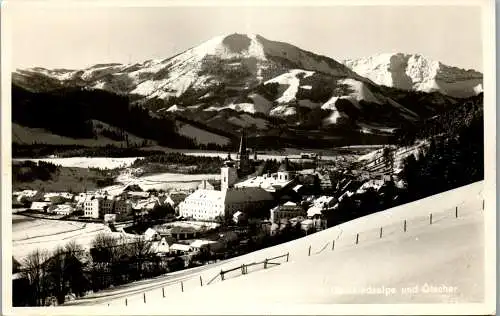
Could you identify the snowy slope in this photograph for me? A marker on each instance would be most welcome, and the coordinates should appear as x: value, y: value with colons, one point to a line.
x: 416, y: 72
x: 201, y: 136
x: 291, y: 80
x: 27, y: 135
x: 448, y: 252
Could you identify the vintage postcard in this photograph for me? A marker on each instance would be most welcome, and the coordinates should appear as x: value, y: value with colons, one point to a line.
x: 236, y: 157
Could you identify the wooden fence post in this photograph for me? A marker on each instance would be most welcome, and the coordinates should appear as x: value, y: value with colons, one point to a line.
x: 483, y: 204
x: 243, y: 269
x: 222, y: 275
x: 309, y: 250
x: 380, y: 232
x: 456, y: 212
x: 333, y: 244
x: 182, y: 286
x: 163, y: 292
x: 357, y: 238
x: 404, y: 226
x: 126, y: 303
x: 265, y: 263
x: 144, y: 296
x: 430, y: 219
x: 287, y: 254
x: 201, y: 281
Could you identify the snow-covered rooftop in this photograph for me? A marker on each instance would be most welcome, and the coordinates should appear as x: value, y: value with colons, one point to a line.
x: 268, y: 183
x: 200, y: 243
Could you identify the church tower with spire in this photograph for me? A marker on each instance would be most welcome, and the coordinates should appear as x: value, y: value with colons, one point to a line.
x: 244, y: 167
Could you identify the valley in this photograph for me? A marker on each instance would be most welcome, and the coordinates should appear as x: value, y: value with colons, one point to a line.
x: 237, y: 147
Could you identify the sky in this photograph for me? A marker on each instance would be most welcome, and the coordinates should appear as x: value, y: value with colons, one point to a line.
x: 78, y: 37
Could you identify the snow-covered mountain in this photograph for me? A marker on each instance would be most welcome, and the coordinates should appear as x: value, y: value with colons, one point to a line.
x: 240, y: 58
x: 246, y: 81
x: 418, y: 73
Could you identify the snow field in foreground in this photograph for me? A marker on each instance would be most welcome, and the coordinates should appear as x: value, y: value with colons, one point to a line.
x: 48, y: 235
x: 449, y: 251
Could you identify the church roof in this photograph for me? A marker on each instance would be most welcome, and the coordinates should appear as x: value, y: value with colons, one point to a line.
x: 237, y: 195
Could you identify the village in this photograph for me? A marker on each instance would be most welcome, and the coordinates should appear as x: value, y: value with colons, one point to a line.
x: 245, y: 212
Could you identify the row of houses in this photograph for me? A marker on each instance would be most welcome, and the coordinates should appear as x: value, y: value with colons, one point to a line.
x: 163, y: 244
x: 97, y: 204
x: 19, y: 197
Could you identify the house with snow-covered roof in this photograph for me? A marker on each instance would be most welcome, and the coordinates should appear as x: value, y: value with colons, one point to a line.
x: 150, y: 235
x: 39, y: 206
x: 321, y: 204
x: 29, y: 195
x: 238, y: 217
x: 286, y: 211
x: 63, y: 196
x: 160, y: 247
x: 180, y: 248
x: 211, y: 204
x: 375, y: 184
x: 205, y: 245
x: 61, y: 209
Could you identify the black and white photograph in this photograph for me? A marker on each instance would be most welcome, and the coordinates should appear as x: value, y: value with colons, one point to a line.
x: 236, y: 157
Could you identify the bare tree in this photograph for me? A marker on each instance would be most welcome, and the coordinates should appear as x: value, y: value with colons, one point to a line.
x: 140, y: 250
x: 36, y: 272
x: 75, y: 257
x: 56, y: 267
x: 103, y: 253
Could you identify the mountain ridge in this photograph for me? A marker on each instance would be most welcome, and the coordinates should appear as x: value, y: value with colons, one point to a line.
x: 418, y: 73
x: 246, y: 81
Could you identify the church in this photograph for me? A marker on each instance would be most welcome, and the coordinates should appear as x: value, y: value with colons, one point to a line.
x: 204, y: 204
x: 232, y: 170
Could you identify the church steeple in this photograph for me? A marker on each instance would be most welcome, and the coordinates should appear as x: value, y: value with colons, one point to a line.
x: 243, y: 143
x: 244, y: 159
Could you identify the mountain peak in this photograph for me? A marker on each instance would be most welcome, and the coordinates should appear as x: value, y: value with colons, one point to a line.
x: 417, y: 72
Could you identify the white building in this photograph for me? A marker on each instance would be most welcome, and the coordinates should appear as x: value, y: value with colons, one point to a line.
x: 39, y: 206
x: 160, y: 247
x: 320, y: 204
x: 91, y: 207
x: 286, y: 211
x: 62, y: 209
x: 210, y: 204
x: 180, y: 249
x: 205, y: 245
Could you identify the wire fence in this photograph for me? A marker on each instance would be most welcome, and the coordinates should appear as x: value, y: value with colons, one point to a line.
x: 345, y: 240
